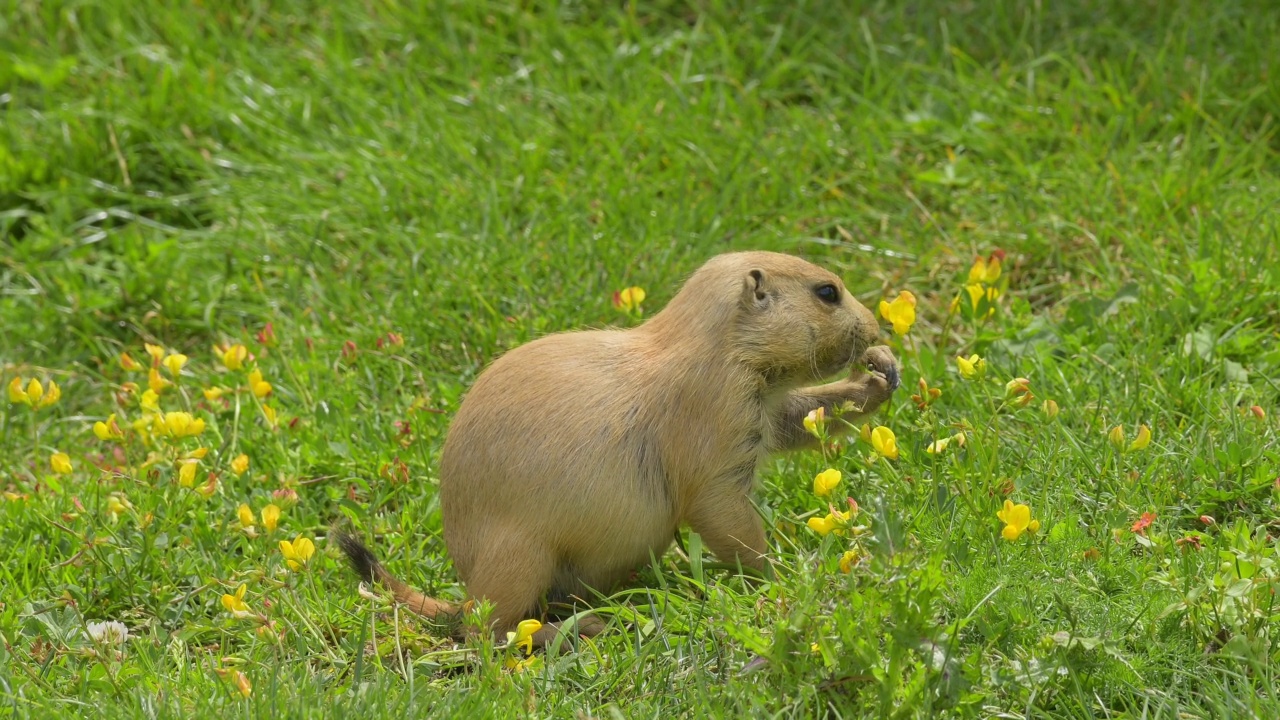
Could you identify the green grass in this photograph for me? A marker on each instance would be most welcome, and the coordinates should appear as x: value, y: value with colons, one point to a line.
x: 474, y: 175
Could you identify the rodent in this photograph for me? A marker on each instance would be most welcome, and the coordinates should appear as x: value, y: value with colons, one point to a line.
x: 576, y: 456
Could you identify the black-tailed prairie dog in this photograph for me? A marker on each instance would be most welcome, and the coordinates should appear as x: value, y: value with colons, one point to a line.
x: 575, y: 457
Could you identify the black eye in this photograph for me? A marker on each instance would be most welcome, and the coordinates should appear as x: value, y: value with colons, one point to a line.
x: 828, y: 294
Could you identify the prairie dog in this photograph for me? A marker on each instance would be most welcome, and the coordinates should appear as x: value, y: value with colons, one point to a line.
x: 576, y: 456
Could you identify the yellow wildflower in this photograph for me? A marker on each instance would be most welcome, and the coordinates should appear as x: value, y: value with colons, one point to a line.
x: 985, y: 270
x: 235, y: 604
x: 209, y: 487
x: 108, y: 430
x: 156, y: 352
x: 901, y: 312
x: 156, y: 381
x: 232, y: 356
x: 298, y: 552
x: 269, y: 413
x: 940, y: 446
x: 260, y: 387
x: 629, y: 299
x: 1116, y: 437
x: 834, y: 521
x: 1017, y: 520
x: 1143, y: 439
x: 17, y: 395
x: 212, y: 393
x: 816, y: 419
x: 240, y: 464
x: 181, y: 424
x: 118, y: 505
x: 972, y: 367
x: 1050, y: 408
x: 245, y: 515
x: 825, y: 482
x: 242, y: 684
x: 849, y: 559
x: 270, y: 517
x: 150, y: 401
x: 187, y: 473
x: 885, y: 442
x: 174, y: 363
x: 35, y: 394
x: 128, y: 363
x: 523, y: 636
x: 61, y: 463
x: 520, y: 666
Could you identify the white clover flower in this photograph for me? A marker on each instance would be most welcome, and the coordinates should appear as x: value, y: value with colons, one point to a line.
x: 109, y: 632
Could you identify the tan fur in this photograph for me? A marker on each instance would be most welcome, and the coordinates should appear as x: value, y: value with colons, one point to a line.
x: 575, y: 457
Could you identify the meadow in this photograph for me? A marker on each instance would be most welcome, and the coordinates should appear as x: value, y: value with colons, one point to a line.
x: 253, y: 254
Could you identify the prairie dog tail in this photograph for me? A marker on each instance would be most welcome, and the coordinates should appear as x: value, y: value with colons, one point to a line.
x: 366, y: 565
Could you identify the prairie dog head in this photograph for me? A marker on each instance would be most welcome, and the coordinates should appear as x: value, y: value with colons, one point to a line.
x: 786, y: 318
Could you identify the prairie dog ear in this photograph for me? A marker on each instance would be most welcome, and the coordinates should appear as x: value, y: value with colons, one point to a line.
x: 755, y: 289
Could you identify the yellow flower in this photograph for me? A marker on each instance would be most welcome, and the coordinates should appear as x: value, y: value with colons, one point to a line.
x: 260, y: 387
x: 849, y: 559
x: 269, y: 413
x: 118, y: 505
x: 816, y: 419
x: 174, y: 363
x: 61, y: 463
x: 17, y: 395
x: 520, y: 666
x: 150, y: 401
x: 1050, y: 408
x: 629, y: 299
x: 825, y: 482
x: 1016, y: 387
x: 245, y: 515
x: 243, y: 685
x: 298, y: 552
x: 1116, y: 437
x: 187, y: 473
x: 901, y: 312
x: 884, y: 442
x: 209, y: 488
x: 240, y: 464
x: 984, y: 270
x: 1017, y: 520
x: 864, y: 433
x: 156, y: 352
x: 108, y: 430
x: 156, y: 381
x: 235, y: 604
x: 34, y: 395
x: 940, y: 446
x: 972, y: 367
x: 270, y: 517
x: 233, y: 356
x: 182, y: 424
x: 523, y: 636
x: 1143, y: 439
x: 834, y: 521
x: 198, y: 453
x: 128, y: 363
x: 212, y: 393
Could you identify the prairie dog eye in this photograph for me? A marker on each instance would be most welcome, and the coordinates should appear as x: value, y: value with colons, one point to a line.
x: 828, y: 293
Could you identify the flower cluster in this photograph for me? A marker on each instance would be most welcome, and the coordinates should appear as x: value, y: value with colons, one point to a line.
x: 978, y: 297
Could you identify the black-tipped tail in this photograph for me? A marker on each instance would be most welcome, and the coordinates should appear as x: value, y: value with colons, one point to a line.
x: 360, y: 558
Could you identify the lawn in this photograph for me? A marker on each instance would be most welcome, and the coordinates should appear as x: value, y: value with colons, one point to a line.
x: 340, y: 213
